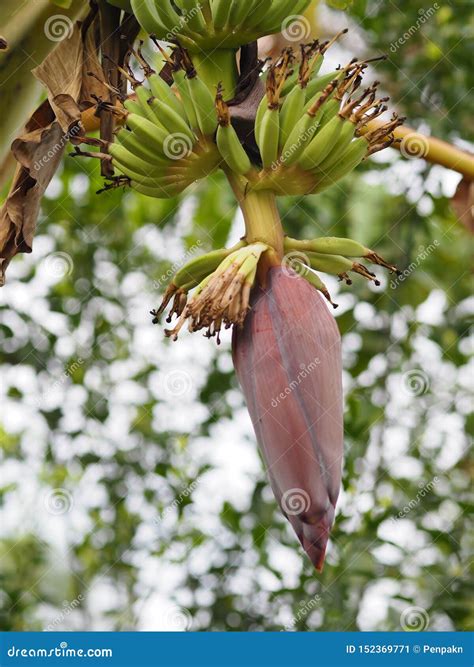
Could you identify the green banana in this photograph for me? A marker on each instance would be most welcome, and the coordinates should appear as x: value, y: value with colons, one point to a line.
x: 170, y: 120
x: 138, y: 166
x: 143, y: 96
x: 279, y: 11
x: 149, y: 181
x: 167, y: 15
x: 309, y: 103
x: 290, y: 83
x: 262, y: 107
x: 147, y: 131
x: 320, y: 82
x: 352, y: 156
x: 220, y: 13
x: 295, y: 104
x: 331, y: 109
x: 258, y: 14
x: 200, y: 267
x: 340, y: 266
x: 291, y: 112
x: 299, y: 138
x: 138, y: 147
x: 203, y: 105
x: 164, y: 93
x: 239, y: 12
x: 192, y: 15
x: 334, y: 264
x: 133, y: 107
x: 228, y: 142
x: 321, y: 145
x: 181, y: 82
x: 306, y: 127
x: 317, y: 283
x: 269, y: 136
x: 231, y: 149
x: 159, y: 178
x: 148, y: 18
x: 160, y: 191
x: 341, y: 144
x: 331, y: 245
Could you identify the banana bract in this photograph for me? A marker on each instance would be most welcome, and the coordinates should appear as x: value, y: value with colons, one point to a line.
x: 288, y: 361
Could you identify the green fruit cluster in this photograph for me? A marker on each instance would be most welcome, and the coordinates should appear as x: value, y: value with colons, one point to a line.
x: 311, y: 130
x: 316, y: 125
x: 168, y: 140
x: 201, y: 25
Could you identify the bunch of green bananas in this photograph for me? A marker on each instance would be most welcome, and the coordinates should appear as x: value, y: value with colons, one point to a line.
x: 168, y: 140
x: 334, y: 256
x: 310, y: 130
x: 315, y: 134
x: 224, y: 278
x: 201, y: 25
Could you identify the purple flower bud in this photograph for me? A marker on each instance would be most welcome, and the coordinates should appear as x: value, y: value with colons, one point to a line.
x: 288, y: 361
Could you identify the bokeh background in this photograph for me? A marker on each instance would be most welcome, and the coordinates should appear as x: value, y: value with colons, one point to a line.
x: 132, y: 493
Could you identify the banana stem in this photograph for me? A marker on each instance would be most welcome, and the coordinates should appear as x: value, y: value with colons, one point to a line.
x: 432, y: 150
x: 262, y: 220
x: 218, y: 67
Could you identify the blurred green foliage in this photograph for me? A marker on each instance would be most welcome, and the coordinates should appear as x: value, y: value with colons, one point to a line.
x: 83, y: 414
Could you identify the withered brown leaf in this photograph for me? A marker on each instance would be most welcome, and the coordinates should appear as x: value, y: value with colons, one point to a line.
x: 38, y: 153
x: 40, y: 147
x: 61, y: 74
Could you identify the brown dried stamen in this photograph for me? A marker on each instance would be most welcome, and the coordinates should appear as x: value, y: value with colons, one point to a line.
x: 223, y: 298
